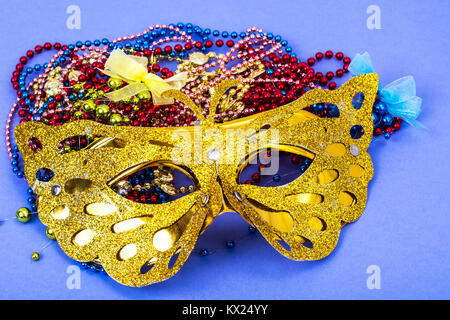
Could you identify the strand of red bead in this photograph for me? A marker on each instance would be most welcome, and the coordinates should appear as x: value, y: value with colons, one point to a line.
x: 326, y: 79
x: 288, y: 80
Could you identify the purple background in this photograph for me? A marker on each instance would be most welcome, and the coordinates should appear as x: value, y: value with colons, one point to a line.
x: 405, y: 227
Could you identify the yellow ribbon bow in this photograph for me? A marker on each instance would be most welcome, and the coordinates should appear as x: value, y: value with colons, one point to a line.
x: 133, y: 70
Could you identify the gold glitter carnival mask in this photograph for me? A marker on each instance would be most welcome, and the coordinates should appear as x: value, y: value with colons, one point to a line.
x: 139, y: 244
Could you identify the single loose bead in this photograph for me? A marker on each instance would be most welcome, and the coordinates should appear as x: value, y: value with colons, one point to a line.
x: 230, y: 244
x: 311, y: 61
x: 49, y: 233
x: 35, y: 256
x: 23, y: 215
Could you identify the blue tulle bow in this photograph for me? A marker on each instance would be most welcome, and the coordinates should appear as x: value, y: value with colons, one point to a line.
x: 399, y: 95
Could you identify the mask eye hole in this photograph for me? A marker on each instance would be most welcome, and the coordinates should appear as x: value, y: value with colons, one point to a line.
x: 275, y: 166
x: 154, y: 183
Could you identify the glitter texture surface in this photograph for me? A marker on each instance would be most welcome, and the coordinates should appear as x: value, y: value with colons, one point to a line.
x: 86, y: 176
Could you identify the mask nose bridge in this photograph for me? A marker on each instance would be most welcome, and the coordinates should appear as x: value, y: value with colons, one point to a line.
x: 226, y: 207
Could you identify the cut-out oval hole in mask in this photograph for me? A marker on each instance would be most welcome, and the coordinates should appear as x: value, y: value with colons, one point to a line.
x: 304, y: 242
x: 326, y: 176
x: 166, y: 238
x: 306, y: 198
x: 358, y: 100
x: 284, y: 244
x: 75, y: 143
x: 356, y: 170
x: 127, y: 252
x: 84, y: 237
x: 76, y: 185
x: 324, y: 110
x: 317, y: 224
x: 131, y: 224
x: 44, y: 174
x: 347, y: 198
x: 148, y: 265
x: 100, y: 209
x: 60, y: 212
x: 174, y: 258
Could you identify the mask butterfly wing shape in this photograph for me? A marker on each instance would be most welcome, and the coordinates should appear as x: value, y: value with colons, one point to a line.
x: 302, y: 219
x: 94, y: 223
